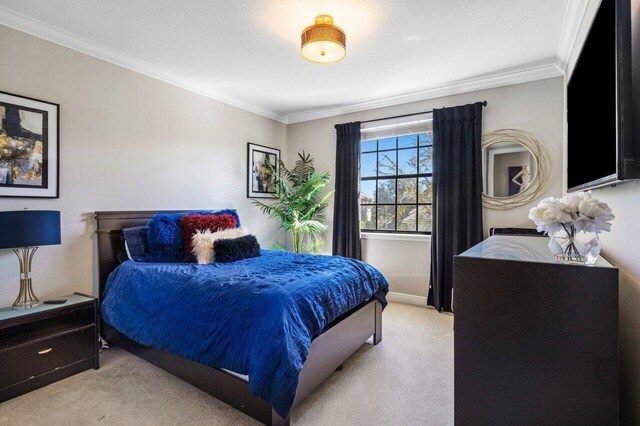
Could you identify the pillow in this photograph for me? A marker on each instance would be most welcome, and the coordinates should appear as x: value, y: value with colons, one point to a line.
x: 164, y: 235
x: 203, y: 242
x: 197, y: 222
x: 135, y: 243
x: 121, y: 251
x: 231, y: 250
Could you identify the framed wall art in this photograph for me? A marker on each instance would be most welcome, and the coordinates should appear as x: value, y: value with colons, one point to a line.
x: 29, y: 147
x: 262, y: 162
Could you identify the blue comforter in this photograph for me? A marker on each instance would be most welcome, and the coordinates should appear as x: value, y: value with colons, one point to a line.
x: 256, y: 316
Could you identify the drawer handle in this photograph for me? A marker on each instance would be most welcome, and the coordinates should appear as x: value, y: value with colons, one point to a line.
x: 45, y: 351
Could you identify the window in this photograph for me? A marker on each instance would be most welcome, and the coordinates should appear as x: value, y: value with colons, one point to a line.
x: 395, y: 185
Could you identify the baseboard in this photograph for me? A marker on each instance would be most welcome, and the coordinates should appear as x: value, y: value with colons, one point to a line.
x: 408, y: 299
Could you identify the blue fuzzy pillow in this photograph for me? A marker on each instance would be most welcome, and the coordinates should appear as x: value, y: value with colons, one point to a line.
x: 164, y: 235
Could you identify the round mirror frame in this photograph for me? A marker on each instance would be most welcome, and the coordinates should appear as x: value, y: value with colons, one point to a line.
x: 543, y: 167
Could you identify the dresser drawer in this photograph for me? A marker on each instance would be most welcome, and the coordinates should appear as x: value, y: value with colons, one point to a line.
x: 28, y: 360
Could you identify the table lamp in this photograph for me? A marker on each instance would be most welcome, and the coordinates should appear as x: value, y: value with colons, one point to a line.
x: 23, y: 231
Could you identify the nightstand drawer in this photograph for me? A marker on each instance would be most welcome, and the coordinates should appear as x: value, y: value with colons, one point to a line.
x: 28, y: 360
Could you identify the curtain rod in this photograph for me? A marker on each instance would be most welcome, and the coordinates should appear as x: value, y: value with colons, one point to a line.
x: 484, y: 103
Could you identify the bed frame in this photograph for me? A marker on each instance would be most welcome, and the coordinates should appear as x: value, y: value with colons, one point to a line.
x: 328, y: 350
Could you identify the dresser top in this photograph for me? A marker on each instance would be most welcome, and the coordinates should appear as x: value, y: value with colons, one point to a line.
x: 520, y: 248
x: 72, y: 299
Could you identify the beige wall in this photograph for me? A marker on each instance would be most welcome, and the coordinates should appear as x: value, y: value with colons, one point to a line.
x: 536, y: 107
x: 620, y: 247
x: 127, y: 142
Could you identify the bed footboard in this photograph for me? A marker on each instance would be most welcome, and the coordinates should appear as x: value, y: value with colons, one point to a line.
x: 328, y: 351
x: 336, y: 345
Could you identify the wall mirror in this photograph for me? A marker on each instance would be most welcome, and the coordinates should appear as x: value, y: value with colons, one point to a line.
x: 515, y: 168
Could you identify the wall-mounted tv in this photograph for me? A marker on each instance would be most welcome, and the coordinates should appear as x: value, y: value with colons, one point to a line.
x: 603, y: 100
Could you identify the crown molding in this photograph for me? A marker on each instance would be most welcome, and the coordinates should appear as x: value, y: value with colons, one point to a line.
x: 492, y: 81
x: 29, y: 25
x: 573, y: 17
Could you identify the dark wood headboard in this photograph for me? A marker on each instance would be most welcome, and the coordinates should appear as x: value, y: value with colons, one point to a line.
x: 109, y: 231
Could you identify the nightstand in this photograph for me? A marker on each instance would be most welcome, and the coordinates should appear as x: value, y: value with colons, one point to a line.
x: 47, y: 343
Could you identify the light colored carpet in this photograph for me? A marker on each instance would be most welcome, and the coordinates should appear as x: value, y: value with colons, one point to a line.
x: 406, y: 380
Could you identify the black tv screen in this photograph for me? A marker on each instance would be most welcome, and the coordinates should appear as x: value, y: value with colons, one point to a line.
x: 592, y: 105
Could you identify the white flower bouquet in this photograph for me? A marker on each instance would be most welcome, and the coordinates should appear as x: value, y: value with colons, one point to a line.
x: 571, y: 221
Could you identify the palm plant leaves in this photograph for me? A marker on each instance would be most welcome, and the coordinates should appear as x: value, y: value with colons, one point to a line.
x: 301, y: 171
x: 297, y: 204
x: 278, y: 246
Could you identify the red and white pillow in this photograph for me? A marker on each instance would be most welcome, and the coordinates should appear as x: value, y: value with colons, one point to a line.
x: 203, y: 222
x: 203, y: 243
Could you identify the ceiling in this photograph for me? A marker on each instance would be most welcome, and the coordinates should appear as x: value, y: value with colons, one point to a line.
x: 246, y: 52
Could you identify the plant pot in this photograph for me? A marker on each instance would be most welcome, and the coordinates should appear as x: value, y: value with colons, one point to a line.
x: 571, y: 246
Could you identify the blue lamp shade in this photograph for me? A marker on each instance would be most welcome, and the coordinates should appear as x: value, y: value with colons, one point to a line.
x: 29, y: 228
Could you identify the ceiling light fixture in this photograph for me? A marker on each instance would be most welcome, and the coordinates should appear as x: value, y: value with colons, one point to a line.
x: 323, y: 42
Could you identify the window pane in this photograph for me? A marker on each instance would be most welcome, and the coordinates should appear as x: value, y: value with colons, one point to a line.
x: 406, y: 191
x: 426, y: 139
x: 386, y: 218
x: 424, y: 218
x: 369, y: 145
x: 387, y: 163
x: 424, y: 190
x: 388, y: 203
x: 389, y: 143
x: 407, y: 162
x: 426, y: 160
x: 387, y: 191
x: 407, y: 141
x: 406, y: 218
x: 367, y: 217
x: 368, y: 192
x: 368, y: 164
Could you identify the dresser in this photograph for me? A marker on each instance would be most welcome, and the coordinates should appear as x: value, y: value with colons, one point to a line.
x: 536, y: 341
x: 46, y: 343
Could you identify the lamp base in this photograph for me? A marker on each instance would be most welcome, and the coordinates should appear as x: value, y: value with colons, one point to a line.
x: 26, y: 297
x: 25, y: 305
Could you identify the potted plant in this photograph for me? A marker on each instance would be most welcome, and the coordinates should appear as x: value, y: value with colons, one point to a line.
x: 298, y: 204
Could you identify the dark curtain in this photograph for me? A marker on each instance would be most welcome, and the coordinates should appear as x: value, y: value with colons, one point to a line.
x: 346, y: 215
x: 457, y: 194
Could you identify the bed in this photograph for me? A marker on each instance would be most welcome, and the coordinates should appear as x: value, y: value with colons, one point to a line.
x: 317, y: 344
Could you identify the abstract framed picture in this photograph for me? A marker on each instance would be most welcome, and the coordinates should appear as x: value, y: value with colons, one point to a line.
x: 29, y: 147
x: 262, y: 165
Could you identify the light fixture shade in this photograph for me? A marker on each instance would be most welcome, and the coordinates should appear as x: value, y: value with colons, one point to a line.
x: 323, y: 42
x: 29, y: 228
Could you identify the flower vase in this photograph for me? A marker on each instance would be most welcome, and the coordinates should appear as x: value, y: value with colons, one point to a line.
x: 571, y: 246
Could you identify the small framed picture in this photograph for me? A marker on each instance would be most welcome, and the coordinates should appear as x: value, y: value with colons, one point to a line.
x: 262, y: 165
x: 29, y: 147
